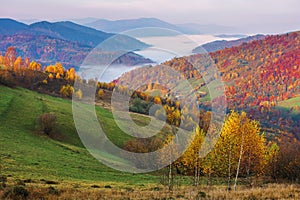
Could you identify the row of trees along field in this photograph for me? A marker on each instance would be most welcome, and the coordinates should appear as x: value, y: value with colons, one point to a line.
x: 241, y: 151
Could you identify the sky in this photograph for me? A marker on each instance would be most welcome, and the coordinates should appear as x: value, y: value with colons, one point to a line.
x: 250, y: 15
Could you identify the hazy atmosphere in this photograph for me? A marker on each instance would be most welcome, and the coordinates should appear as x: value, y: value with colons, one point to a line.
x: 266, y: 16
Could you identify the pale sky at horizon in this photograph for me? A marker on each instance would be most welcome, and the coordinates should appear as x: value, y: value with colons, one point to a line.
x: 280, y: 14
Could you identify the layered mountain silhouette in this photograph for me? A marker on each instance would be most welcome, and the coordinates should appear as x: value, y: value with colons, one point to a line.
x: 66, y: 41
x: 128, y: 24
x: 119, y: 26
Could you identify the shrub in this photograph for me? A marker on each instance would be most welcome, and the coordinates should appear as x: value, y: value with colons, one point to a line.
x: 17, y: 192
x: 7, y: 78
x: 201, y: 195
x: 3, y: 180
x: 140, y: 106
x: 54, y: 191
x: 47, y: 121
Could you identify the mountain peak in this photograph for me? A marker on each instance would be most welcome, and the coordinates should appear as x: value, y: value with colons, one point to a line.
x: 10, y: 26
x: 41, y: 23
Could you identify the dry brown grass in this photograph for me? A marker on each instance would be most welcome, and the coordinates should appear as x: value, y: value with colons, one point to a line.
x: 93, y: 191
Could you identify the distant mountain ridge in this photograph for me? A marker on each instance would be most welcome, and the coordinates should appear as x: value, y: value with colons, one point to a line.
x: 9, y: 26
x: 68, y: 31
x: 222, y: 44
x: 231, y: 36
x: 118, y: 26
x: 65, y: 42
x: 47, y: 50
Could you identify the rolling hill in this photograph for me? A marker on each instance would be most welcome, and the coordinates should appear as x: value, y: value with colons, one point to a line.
x: 222, y: 44
x: 48, y: 50
x: 27, y: 154
x: 64, y: 42
x: 70, y: 31
x: 9, y: 27
x: 256, y: 76
x: 85, y: 35
x: 67, y: 31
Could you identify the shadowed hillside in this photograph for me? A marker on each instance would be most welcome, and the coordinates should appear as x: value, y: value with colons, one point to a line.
x: 65, y: 42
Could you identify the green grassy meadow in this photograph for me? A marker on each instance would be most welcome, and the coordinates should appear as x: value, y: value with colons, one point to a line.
x: 59, y: 167
x: 27, y: 153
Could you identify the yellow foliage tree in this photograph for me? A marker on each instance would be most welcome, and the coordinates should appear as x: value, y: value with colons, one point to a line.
x: 59, y: 68
x: 191, y: 158
x: 50, y: 76
x: 157, y: 100
x: 17, y: 64
x: 70, y: 74
x: 67, y: 90
x: 240, y: 148
x: 34, y: 66
x: 168, y: 155
x: 78, y: 94
x: 55, y: 69
x: 101, y: 93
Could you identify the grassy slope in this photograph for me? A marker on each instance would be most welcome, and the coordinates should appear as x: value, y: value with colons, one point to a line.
x: 291, y: 103
x: 26, y: 153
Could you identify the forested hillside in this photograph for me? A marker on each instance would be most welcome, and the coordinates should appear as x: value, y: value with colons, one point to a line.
x: 65, y: 42
x: 258, y: 76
